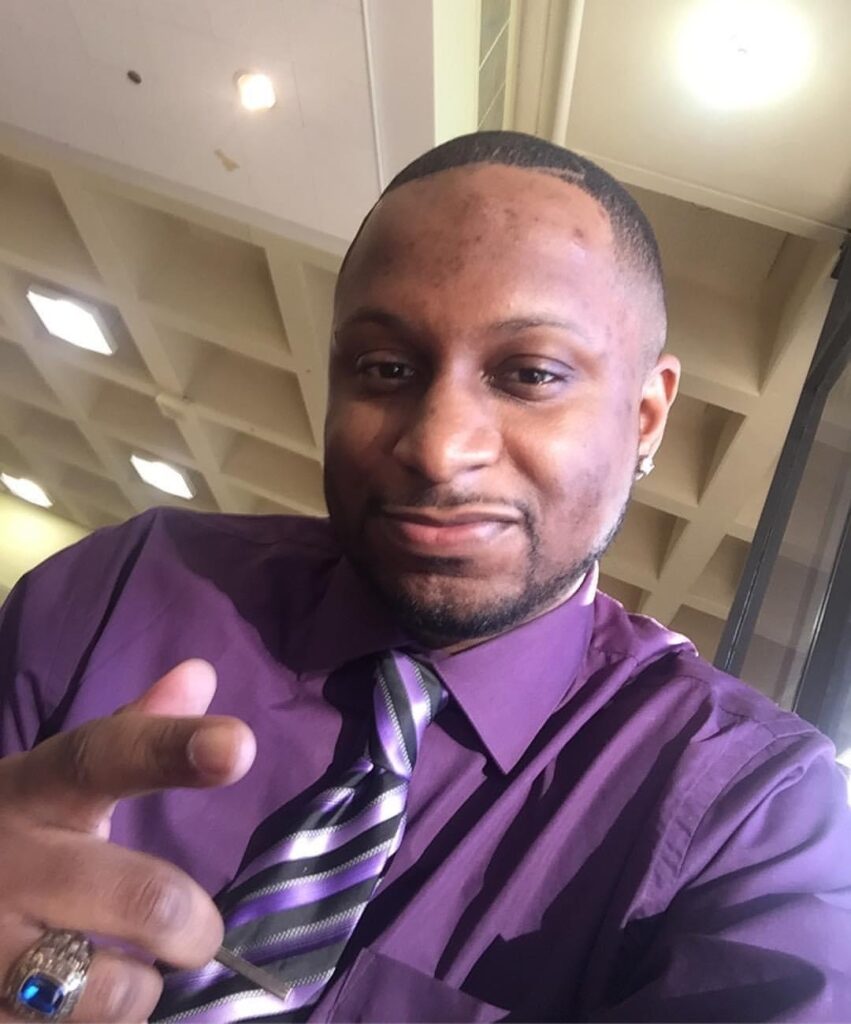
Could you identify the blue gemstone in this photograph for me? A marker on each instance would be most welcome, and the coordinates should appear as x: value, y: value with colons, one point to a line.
x: 42, y: 994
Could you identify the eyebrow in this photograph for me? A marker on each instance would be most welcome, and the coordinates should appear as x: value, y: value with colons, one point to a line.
x: 524, y: 323
x: 376, y: 315
x: 384, y: 318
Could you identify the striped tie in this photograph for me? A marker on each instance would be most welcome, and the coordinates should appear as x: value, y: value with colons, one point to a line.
x: 294, y: 907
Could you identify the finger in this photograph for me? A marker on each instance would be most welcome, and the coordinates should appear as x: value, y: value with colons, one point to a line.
x: 73, y: 779
x: 72, y: 881
x: 117, y: 987
x: 187, y: 689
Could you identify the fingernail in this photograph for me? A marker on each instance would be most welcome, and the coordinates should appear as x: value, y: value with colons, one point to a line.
x: 212, y: 749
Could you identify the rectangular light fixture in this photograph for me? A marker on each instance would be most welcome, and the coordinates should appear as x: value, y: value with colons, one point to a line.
x: 29, y: 490
x: 163, y: 477
x: 71, y: 320
x: 256, y: 91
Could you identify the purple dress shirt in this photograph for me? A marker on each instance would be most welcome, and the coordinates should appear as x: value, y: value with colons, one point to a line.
x: 601, y: 825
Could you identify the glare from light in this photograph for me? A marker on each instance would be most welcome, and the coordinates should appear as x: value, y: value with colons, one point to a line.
x: 71, y: 321
x: 844, y: 759
x: 162, y: 476
x: 256, y: 91
x: 742, y: 54
x: 29, y: 490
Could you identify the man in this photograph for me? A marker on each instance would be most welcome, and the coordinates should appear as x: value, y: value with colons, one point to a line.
x: 460, y: 783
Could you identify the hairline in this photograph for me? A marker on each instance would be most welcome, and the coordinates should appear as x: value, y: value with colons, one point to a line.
x: 624, y: 250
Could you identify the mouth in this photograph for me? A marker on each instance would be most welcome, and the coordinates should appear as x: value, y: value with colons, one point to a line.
x: 458, y: 532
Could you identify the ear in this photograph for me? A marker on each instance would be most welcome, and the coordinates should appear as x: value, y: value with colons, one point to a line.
x: 657, y: 396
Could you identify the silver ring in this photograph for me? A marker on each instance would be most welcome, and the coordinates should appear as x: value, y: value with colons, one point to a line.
x: 45, y: 983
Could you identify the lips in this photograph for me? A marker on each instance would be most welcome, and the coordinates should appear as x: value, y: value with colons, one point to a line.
x: 465, y: 530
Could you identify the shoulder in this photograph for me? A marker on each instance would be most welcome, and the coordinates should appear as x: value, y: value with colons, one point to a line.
x: 165, y: 571
x: 722, y: 753
x: 664, y: 662
x: 171, y: 555
x: 183, y: 535
x: 714, y: 732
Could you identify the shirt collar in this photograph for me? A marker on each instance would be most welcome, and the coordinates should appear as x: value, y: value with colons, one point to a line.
x: 507, y: 687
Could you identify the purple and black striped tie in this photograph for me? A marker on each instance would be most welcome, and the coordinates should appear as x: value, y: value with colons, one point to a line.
x: 294, y: 907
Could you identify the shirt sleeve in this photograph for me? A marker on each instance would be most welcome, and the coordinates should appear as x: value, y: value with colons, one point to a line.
x: 760, y: 927
x: 49, y: 625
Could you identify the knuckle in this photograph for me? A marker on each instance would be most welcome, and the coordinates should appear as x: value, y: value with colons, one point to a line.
x: 121, y: 990
x: 152, y: 751
x: 81, y: 755
x: 156, y: 904
x: 110, y: 994
x: 13, y: 775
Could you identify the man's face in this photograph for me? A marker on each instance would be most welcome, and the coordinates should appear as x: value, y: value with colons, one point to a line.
x: 488, y: 396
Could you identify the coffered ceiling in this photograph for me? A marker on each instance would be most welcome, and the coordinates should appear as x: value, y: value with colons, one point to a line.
x: 216, y: 283
x: 221, y: 335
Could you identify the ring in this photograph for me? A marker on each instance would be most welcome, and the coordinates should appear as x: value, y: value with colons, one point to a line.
x: 46, y: 981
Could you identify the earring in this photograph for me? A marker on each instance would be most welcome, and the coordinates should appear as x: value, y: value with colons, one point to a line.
x: 645, y: 467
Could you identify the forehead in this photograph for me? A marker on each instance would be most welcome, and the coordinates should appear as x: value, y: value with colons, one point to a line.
x: 490, y: 232
x: 444, y: 223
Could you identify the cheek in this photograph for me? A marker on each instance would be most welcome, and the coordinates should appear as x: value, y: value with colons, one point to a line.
x: 581, y: 477
x: 356, y: 438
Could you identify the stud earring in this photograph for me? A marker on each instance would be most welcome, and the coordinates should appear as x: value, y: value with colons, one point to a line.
x: 646, y: 465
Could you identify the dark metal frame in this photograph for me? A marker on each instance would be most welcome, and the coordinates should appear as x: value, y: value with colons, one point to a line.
x: 832, y: 354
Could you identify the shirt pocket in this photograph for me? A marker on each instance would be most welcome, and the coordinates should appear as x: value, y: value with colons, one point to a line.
x: 380, y: 989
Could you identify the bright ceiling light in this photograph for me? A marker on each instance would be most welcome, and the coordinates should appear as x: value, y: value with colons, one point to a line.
x: 162, y: 476
x: 741, y: 54
x: 256, y: 91
x: 70, y: 320
x: 29, y: 490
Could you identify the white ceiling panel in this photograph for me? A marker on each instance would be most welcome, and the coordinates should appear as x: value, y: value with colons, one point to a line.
x: 310, y: 160
x: 632, y: 108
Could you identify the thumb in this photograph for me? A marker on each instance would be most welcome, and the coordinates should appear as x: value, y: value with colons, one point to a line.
x: 187, y: 689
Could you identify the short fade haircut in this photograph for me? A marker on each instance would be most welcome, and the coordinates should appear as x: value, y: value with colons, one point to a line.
x: 635, y: 241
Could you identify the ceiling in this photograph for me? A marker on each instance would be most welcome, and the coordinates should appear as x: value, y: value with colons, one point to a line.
x: 217, y: 283
x: 789, y: 163
x: 311, y: 159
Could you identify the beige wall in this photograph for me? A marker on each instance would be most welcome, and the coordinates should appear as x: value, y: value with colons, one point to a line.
x: 28, y: 535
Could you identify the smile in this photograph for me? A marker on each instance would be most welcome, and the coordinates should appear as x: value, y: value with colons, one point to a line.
x: 456, y: 531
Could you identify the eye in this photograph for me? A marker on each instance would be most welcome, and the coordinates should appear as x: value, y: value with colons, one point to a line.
x: 533, y: 375
x: 384, y: 372
x: 531, y: 381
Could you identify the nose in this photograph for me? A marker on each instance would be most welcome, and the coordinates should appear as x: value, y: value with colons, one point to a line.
x: 450, y: 432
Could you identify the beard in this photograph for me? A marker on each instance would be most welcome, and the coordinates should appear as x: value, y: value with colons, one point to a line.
x: 435, y: 617
x: 442, y: 623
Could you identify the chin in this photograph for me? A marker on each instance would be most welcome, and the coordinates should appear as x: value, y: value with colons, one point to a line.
x: 440, y: 610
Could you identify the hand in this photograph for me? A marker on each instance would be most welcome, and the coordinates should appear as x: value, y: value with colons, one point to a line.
x: 58, y: 871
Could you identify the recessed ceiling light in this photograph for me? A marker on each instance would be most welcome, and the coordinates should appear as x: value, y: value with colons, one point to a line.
x: 162, y: 476
x: 256, y: 91
x: 70, y: 320
x: 740, y: 54
x: 29, y: 490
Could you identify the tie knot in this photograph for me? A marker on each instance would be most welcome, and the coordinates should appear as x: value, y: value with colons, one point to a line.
x: 407, y: 696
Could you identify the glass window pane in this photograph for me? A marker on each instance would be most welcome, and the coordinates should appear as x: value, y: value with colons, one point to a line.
x: 789, y: 614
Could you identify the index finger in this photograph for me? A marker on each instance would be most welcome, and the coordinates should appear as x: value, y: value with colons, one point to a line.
x: 74, y: 779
